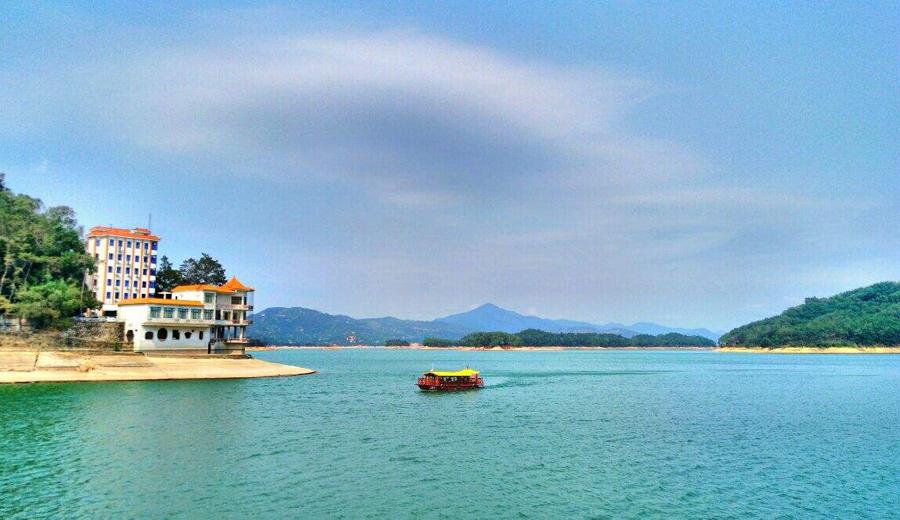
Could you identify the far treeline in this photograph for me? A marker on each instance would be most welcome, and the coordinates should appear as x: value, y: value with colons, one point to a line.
x: 540, y: 338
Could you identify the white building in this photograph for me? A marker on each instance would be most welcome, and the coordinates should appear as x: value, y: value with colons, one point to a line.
x: 195, y: 319
x: 126, y: 265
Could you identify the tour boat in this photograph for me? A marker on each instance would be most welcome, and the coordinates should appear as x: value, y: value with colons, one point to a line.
x: 465, y: 379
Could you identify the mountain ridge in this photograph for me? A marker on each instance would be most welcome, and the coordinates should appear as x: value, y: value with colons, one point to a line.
x: 304, y: 326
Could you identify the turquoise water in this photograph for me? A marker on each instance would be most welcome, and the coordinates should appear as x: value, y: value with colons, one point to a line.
x: 553, y: 435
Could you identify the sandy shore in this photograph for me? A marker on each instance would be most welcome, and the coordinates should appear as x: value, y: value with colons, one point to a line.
x: 466, y: 349
x: 45, y: 367
x: 813, y: 350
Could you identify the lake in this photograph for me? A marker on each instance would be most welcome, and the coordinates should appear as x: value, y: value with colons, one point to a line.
x: 578, y: 434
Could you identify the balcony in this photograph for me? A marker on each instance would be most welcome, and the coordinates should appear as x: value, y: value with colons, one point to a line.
x: 235, y: 307
x: 159, y: 320
x: 236, y: 340
x: 234, y: 323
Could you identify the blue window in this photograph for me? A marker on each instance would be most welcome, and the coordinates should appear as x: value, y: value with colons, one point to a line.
x: 127, y: 270
x: 143, y: 284
x: 119, y: 256
x: 98, y: 242
x: 137, y: 259
x: 117, y: 296
x: 120, y: 243
x: 118, y: 269
x: 127, y: 258
x: 144, y: 271
x: 118, y: 283
x: 152, y: 259
x: 154, y: 246
x: 152, y: 285
x: 129, y: 243
x: 108, y: 295
x: 112, y: 242
x: 126, y: 283
x: 109, y: 269
x: 126, y: 296
x: 146, y: 245
x: 110, y: 256
x: 134, y: 295
x: 152, y: 272
x: 108, y: 282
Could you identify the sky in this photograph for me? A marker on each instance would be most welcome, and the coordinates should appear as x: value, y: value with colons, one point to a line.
x: 688, y: 163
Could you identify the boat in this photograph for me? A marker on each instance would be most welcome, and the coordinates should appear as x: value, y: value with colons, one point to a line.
x: 449, y: 381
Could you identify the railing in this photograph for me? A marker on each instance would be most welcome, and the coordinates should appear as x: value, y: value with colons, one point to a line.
x: 186, y: 321
x: 235, y: 307
x: 236, y: 340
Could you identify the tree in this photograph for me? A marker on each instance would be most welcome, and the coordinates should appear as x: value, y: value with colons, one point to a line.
x: 51, y: 301
x: 206, y: 270
x: 167, y: 277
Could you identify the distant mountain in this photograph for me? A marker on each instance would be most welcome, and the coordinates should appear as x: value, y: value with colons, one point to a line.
x: 490, y: 317
x: 865, y: 316
x: 300, y: 326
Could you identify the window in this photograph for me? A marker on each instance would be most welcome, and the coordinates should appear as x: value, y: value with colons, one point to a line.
x: 162, y: 334
x: 143, y: 295
x: 154, y: 312
x: 117, y: 296
x: 118, y: 269
x: 134, y: 295
x: 195, y: 314
x: 187, y: 335
x: 137, y: 259
x: 176, y: 334
x: 129, y: 243
x: 118, y: 282
x: 152, y: 285
x: 182, y: 313
x: 168, y: 312
x: 237, y: 300
x: 120, y: 243
x: 144, y: 284
x: 108, y: 295
x: 144, y: 271
x: 109, y: 269
x: 200, y: 334
x: 110, y: 256
x: 96, y: 256
x: 148, y: 334
x: 209, y: 297
x: 127, y: 270
x: 108, y: 282
x: 126, y: 283
x: 127, y: 258
x: 98, y: 243
x: 119, y: 257
x: 126, y: 296
x: 207, y: 314
x: 146, y: 245
x: 154, y: 246
x: 152, y: 272
x: 153, y: 259
x: 112, y: 242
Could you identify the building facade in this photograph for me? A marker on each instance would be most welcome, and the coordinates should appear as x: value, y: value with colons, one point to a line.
x: 126, y: 265
x: 192, y: 319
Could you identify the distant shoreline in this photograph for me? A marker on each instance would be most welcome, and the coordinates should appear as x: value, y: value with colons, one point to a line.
x: 812, y: 350
x: 467, y: 349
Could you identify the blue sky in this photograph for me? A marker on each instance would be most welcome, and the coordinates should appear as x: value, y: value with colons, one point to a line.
x: 691, y: 164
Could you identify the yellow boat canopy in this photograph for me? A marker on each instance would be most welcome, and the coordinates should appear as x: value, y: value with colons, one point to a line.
x: 466, y: 372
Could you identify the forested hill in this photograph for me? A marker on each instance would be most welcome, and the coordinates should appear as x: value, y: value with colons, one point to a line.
x: 866, y: 316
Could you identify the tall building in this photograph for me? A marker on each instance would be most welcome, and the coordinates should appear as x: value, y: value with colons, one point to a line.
x: 126, y: 265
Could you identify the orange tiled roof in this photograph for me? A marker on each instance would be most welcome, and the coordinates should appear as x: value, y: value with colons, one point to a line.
x: 161, y: 301
x: 139, y: 233
x: 235, y: 285
x: 202, y: 287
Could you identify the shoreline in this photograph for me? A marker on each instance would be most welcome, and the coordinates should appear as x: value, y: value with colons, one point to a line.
x: 462, y: 349
x: 811, y: 350
x: 71, y: 367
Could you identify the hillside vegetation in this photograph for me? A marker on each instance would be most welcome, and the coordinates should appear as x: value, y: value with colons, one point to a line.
x: 866, y: 316
x: 43, y: 260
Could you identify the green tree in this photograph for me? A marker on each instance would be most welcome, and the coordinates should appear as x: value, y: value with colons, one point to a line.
x: 205, y: 270
x: 167, y: 277
x: 48, y: 303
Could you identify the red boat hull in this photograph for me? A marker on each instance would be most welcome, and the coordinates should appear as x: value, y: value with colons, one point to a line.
x: 455, y: 386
